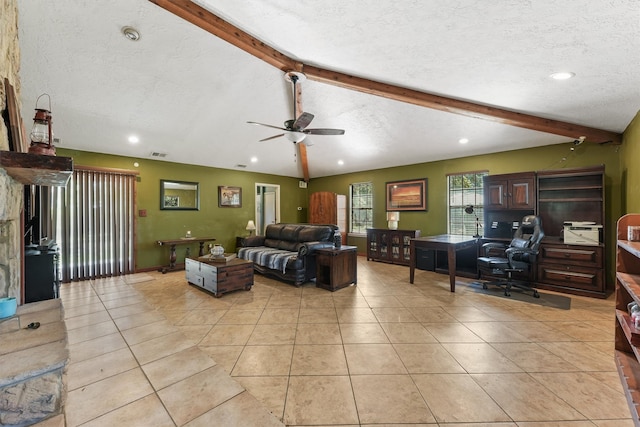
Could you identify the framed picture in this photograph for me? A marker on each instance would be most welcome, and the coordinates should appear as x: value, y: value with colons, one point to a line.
x: 407, y: 195
x: 171, y: 201
x: 229, y: 197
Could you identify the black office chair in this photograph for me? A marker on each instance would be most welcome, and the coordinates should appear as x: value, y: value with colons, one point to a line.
x: 519, y: 257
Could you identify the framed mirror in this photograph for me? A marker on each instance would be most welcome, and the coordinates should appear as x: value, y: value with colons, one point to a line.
x: 179, y: 195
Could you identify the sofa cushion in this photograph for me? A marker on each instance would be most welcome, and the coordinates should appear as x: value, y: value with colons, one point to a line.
x: 288, y: 246
x: 273, y: 231
x: 315, y: 233
x: 290, y: 233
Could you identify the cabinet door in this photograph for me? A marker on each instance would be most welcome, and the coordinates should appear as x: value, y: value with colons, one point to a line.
x: 406, y: 247
x: 383, y: 244
x: 495, y: 194
x: 521, y: 194
x: 395, y: 246
x: 372, y: 245
x: 323, y: 208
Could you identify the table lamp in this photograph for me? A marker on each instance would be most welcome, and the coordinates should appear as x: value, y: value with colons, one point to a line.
x: 392, y: 220
x: 469, y: 209
x: 250, y: 226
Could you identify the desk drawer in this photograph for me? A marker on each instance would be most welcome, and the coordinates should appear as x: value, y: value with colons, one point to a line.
x: 588, y: 256
x: 571, y: 276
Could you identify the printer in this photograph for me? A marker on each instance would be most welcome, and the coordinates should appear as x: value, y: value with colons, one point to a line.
x: 581, y: 233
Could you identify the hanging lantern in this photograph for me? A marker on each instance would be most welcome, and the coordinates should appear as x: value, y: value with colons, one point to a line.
x: 41, y: 135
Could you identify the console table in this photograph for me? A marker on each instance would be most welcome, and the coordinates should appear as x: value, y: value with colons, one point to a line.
x: 449, y: 242
x: 182, y: 241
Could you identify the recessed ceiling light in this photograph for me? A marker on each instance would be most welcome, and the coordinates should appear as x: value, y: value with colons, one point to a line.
x: 254, y: 159
x: 131, y: 33
x: 562, y: 75
x: 134, y: 139
x: 463, y: 140
x: 341, y: 162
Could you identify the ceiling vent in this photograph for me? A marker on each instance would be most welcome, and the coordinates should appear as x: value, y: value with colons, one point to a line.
x: 158, y: 154
x: 241, y: 166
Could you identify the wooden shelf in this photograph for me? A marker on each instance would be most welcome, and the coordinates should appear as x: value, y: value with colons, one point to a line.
x: 37, y: 169
x: 631, y: 247
x: 628, y: 370
x: 630, y: 331
x: 631, y: 283
x: 577, y: 187
x: 627, y: 354
x: 571, y: 200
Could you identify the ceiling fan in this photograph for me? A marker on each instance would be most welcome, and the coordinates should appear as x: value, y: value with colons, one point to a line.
x: 295, y: 130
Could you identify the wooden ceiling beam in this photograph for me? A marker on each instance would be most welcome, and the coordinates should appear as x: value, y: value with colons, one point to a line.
x: 465, y: 108
x: 232, y: 34
x: 201, y: 17
x: 302, y: 148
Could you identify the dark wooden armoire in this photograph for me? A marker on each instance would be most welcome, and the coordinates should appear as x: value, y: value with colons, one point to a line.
x: 326, y: 207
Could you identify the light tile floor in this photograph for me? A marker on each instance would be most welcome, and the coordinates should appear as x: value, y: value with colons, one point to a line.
x: 151, y: 350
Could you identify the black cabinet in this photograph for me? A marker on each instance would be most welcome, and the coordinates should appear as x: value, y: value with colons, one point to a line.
x: 40, y: 276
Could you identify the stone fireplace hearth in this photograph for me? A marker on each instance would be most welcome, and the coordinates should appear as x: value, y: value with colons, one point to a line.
x: 32, y: 364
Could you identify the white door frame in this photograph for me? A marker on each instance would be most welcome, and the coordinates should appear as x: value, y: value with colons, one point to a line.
x: 259, y: 204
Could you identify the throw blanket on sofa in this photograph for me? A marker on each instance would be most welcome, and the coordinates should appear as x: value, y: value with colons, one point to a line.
x: 273, y: 258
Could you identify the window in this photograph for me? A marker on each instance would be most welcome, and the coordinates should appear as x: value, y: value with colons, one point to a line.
x: 361, y: 207
x: 466, y: 189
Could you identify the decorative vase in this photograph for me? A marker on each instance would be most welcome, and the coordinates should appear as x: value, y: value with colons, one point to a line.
x: 217, y: 250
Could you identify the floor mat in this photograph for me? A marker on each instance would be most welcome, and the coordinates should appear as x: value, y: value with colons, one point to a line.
x: 548, y: 300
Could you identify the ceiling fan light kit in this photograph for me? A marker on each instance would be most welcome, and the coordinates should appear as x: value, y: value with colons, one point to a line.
x: 295, y: 130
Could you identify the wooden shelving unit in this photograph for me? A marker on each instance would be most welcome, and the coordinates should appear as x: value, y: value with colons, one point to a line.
x: 627, y: 339
x: 572, y: 195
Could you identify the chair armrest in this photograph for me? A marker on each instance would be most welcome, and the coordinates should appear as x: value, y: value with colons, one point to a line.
x: 493, y: 246
x: 512, y: 253
x: 253, y: 241
x: 308, y: 248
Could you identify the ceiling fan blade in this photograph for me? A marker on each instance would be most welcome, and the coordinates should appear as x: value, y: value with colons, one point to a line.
x: 269, y: 126
x: 272, y: 137
x: 323, y: 131
x: 302, y: 121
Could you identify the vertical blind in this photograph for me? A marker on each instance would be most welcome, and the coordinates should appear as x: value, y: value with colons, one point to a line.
x: 95, y: 223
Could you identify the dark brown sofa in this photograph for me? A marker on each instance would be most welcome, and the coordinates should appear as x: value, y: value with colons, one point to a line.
x: 287, y: 251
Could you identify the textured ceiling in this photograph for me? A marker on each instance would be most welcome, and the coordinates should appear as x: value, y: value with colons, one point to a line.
x: 188, y: 94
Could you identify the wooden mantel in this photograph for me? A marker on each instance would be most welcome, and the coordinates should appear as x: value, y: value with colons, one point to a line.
x: 37, y: 169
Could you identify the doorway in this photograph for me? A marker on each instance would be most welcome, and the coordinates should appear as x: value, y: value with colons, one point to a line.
x: 267, y: 206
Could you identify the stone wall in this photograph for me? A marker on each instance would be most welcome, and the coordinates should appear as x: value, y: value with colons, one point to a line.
x: 11, y: 192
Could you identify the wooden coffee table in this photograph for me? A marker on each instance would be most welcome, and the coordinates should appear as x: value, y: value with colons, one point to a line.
x: 220, y: 277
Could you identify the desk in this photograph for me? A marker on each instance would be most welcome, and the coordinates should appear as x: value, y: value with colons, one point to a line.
x: 182, y: 241
x: 449, y: 242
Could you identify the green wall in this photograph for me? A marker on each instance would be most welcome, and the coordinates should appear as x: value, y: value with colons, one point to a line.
x: 630, y: 156
x: 434, y: 221
x: 210, y: 221
x: 622, y: 191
